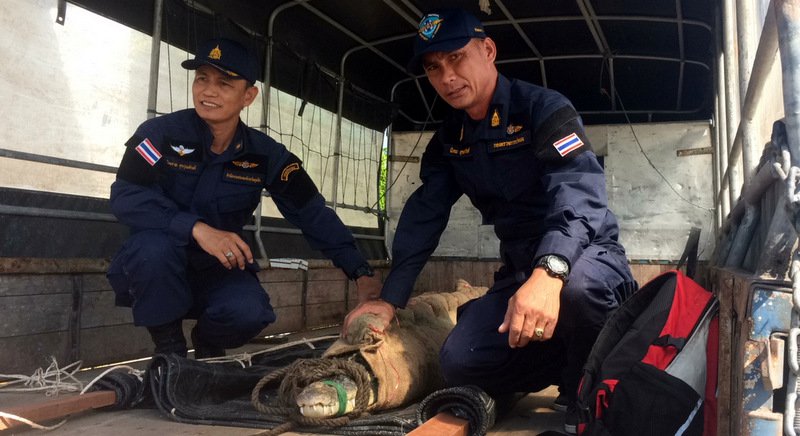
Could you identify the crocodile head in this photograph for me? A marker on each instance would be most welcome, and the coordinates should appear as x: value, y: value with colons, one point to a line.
x: 329, y: 398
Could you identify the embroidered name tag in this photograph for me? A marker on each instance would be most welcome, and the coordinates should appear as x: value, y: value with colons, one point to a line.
x: 182, y: 165
x: 248, y: 178
x: 511, y: 143
x: 460, y: 152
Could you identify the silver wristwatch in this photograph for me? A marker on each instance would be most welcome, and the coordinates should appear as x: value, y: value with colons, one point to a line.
x: 556, y: 266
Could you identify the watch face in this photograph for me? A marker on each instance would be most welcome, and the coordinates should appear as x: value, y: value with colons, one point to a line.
x: 557, y: 264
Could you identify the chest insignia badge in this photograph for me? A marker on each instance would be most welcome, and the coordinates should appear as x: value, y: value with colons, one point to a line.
x: 495, y: 118
x: 512, y: 129
x: 244, y: 164
x: 181, y: 150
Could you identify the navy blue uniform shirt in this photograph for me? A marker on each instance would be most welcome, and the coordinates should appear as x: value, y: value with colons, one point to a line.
x: 169, y: 179
x: 527, y: 167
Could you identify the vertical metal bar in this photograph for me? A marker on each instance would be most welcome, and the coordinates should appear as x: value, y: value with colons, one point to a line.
x: 265, y: 96
x: 681, y: 48
x: 764, y: 60
x: 155, y: 56
x: 337, y: 148
x: 731, y: 93
x: 724, y: 200
x: 788, y: 21
x: 715, y: 170
x: 787, y: 14
x: 745, y: 18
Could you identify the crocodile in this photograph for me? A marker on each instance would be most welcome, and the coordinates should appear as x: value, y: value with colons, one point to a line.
x: 402, y: 361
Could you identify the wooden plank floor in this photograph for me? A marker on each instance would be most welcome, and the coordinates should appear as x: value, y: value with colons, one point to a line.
x: 531, y: 416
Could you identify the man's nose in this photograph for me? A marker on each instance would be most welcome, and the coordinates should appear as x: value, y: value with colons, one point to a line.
x: 210, y: 89
x: 448, y: 73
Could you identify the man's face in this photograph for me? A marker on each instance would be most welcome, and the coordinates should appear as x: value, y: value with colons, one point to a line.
x: 219, y: 97
x: 464, y: 78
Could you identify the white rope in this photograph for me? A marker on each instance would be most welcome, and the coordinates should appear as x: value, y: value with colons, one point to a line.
x: 29, y: 422
x: 246, y: 359
x: 53, y: 380
x: 136, y: 372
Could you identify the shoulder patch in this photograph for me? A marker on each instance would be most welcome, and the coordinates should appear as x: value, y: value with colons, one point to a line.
x: 568, y: 144
x: 293, y: 183
x: 288, y: 170
x: 560, y: 137
x: 148, y: 152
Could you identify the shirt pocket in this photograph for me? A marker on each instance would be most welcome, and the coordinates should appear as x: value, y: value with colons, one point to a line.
x: 241, y: 201
x: 514, y: 165
x: 183, y: 176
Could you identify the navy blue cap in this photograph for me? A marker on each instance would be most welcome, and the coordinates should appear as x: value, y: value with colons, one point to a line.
x: 444, y: 30
x: 226, y: 55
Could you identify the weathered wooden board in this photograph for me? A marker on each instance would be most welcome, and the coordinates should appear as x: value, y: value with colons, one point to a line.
x: 37, y: 298
x: 117, y: 343
x: 23, y: 354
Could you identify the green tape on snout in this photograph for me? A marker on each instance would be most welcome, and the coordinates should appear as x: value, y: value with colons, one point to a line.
x: 341, y: 393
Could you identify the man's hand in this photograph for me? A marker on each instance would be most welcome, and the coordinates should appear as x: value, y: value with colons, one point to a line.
x: 534, y: 306
x: 227, y: 247
x: 383, y: 311
x: 369, y: 288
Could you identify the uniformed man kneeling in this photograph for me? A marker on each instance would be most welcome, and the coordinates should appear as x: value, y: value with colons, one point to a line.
x: 187, y: 184
x: 520, y: 153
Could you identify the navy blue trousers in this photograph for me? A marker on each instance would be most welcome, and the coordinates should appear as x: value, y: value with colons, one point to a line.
x: 163, y: 282
x: 475, y: 353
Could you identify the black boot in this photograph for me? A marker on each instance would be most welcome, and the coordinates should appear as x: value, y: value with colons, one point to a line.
x: 203, y: 350
x: 169, y: 338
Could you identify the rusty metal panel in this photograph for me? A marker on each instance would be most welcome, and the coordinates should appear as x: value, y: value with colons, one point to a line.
x: 722, y: 286
x: 762, y: 332
x: 754, y: 321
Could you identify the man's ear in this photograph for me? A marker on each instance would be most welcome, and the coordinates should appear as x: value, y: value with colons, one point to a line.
x: 250, y: 95
x: 490, y: 48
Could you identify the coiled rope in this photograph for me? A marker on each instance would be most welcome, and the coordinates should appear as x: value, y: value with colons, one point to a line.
x: 302, y: 373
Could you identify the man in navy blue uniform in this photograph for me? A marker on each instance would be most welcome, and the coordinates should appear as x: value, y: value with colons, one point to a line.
x: 187, y: 184
x: 520, y: 153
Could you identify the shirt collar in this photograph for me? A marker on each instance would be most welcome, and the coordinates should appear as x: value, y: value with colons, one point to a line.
x: 238, y: 146
x: 493, y: 125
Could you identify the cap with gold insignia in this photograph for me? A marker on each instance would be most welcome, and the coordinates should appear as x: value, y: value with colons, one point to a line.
x: 226, y: 55
x: 444, y: 30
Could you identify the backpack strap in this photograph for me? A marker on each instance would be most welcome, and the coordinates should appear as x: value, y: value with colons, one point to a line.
x: 689, y: 255
x: 669, y: 341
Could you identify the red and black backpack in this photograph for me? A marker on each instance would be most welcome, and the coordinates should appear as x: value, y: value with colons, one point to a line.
x: 653, y: 369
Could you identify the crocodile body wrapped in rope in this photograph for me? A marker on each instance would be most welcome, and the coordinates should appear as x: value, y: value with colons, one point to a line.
x: 402, y: 361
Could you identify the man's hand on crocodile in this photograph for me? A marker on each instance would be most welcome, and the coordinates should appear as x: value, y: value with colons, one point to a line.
x: 383, y: 311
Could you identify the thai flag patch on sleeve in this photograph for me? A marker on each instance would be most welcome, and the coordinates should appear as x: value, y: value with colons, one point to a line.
x: 148, y: 152
x: 567, y: 144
